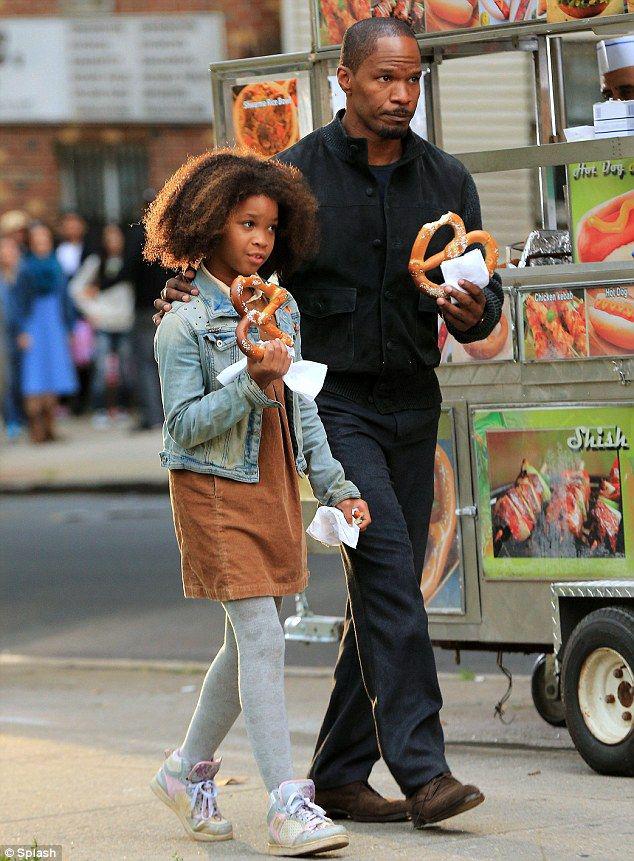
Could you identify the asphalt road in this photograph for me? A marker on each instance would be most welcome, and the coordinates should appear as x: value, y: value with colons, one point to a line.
x: 97, y: 575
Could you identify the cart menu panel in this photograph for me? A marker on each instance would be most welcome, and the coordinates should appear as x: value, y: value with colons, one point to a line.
x: 601, y: 196
x: 497, y: 347
x: 577, y: 322
x: 268, y: 113
x: 557, y: 484
x: 335, y: 16
x: 443, y: 574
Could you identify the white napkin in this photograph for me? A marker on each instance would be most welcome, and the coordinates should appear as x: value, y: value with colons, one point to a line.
x: 304, y: 377
x: 470, y: 266
x: 331, y: 528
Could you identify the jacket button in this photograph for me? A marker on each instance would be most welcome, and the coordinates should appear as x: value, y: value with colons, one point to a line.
x: 389, y: 294
x: 377, y: 243
x: 354, y: 149
x: 369, y: 191
x: 391, y: 345
x: 319, y: 306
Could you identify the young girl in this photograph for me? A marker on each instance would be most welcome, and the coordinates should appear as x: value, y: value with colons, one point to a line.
x: 234, y: 453
x: 44, y: 319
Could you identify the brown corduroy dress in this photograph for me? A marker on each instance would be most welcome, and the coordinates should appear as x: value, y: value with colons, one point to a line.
x: 241, y: 540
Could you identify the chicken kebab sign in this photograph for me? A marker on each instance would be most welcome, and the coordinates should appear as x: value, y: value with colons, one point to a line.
x: 556, y: 483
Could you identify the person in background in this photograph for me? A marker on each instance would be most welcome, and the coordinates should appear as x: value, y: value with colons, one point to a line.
x: 104, y: 297
x: 43, y: 316
x: 71, y: 252
x: 147, y: 279
x: 15, y: 225
x: 12, y: 412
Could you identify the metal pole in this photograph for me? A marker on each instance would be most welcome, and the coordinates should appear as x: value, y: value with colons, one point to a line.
x: 545, y: 126
x: 561, y: 116
x: 432, y: 101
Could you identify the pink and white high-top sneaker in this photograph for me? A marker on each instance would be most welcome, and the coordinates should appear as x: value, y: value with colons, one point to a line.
x: 298, y: 826
x: 192, y: 794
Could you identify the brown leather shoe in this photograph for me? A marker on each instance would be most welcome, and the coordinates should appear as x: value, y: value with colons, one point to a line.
x: 441, y: 798
x: 359, y: 802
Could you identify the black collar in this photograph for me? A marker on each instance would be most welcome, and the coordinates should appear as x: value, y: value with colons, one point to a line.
x: 356, y: 149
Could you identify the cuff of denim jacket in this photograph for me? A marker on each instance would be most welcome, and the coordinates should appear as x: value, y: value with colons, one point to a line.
x: 486, y: 325
x: 349, y: 491
x: 253, y: 393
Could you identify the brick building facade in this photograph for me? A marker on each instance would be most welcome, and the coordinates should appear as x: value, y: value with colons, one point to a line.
x: 41, y: 163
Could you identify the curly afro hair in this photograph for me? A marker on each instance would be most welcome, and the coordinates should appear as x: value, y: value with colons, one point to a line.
x: 189, y: 214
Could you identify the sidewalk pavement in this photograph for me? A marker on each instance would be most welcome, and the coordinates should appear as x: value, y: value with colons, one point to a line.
x: 84, y: 458
x: 81, y: 742
x: 88, y: 459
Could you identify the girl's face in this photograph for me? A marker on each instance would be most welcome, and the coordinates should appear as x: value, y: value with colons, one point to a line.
x: 9, y: 253
x: 41, y: 240
x: 113, y: 240
x: 247, y: 240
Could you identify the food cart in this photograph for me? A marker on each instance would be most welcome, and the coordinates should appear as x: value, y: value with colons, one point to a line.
x: 531, y: 544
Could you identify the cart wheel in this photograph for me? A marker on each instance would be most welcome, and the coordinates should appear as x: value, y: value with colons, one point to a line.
x: 598, y: 689
x: 544, y: 688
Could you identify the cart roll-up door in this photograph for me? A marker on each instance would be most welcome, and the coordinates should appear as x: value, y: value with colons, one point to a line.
x: 295, y: 18
x: 486, y: 103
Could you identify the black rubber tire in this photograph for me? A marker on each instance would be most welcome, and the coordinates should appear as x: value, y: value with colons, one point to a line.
x: 608, y: 627
x: 552, y: 711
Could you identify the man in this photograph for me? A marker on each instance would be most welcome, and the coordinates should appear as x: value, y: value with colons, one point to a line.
x: 377, y: 183
x: 72, y: 250
x: 146, y: 279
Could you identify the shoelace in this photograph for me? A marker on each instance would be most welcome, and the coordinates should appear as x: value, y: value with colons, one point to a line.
x: 306, y: 811
x: 205, y: 792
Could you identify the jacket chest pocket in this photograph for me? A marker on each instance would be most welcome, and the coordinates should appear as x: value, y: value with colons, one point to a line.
x: 327, y: 326
x: 220, y: 350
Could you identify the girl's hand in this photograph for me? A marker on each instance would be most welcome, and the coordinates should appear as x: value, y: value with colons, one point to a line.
x: 273, y: 366
x: 24, y: 341
x: 356, y: 509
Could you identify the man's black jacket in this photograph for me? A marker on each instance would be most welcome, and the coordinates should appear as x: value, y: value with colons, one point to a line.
x: 362, y: 315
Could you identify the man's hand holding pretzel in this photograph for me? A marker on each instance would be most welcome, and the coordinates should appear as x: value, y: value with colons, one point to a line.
x: 470, y: 308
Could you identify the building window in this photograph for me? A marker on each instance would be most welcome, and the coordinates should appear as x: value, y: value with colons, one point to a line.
x: 104, y: 183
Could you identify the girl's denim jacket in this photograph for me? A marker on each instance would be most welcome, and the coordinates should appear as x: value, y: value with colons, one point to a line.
x: 216, y: 429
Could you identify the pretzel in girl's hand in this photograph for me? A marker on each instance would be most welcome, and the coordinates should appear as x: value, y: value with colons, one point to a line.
x: 244, y: 288
x: 418, y: 265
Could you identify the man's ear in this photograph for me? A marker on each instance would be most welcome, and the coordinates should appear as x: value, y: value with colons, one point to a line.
x: 345, y: 77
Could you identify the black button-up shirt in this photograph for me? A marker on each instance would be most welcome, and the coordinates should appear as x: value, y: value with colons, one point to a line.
x: 362, y: 315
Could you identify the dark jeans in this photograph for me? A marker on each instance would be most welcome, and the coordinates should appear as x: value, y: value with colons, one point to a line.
x: 106, y: 344
x: 386, y: 698
x: 148, y: 390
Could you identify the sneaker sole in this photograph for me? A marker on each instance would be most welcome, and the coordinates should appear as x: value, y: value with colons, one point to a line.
x: 468, y: 803
x: 158, y: 790
x: 327, y: 844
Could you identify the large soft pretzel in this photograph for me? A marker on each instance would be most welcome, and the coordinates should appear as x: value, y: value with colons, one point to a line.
x: 418, y: 266
x: 242, y: 289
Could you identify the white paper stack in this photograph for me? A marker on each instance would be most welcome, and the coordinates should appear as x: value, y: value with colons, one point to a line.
x: 614, y: 118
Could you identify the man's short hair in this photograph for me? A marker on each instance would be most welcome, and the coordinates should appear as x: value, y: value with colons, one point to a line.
x: 360, y: 39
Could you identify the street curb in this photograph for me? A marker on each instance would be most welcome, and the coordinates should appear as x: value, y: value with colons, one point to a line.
x: 10, y: 659
x: 138, y: 487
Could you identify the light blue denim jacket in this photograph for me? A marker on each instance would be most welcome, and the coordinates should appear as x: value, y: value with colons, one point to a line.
x: 216, y: 429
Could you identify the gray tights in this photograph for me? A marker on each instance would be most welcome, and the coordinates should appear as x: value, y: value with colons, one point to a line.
x: 248, y: 674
